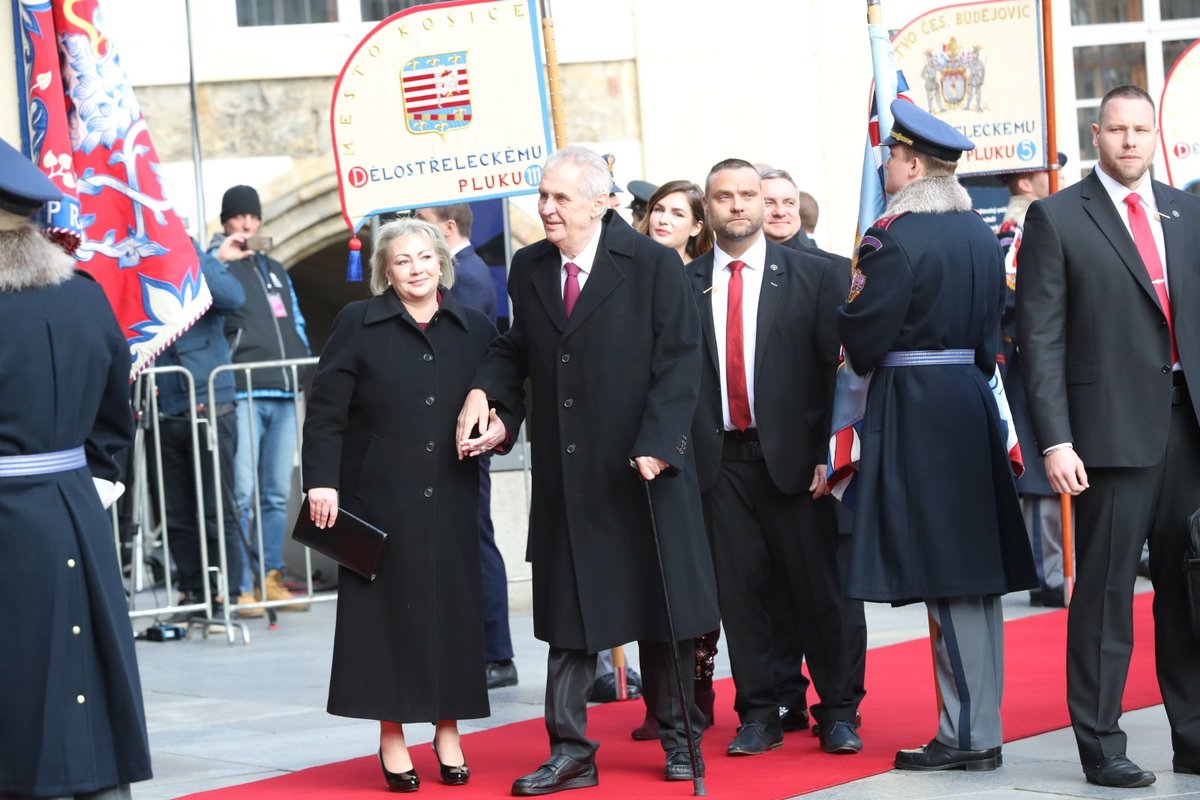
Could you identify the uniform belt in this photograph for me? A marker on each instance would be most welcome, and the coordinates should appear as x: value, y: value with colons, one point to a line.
x: 918, y: 358
x: 42, y: 463
x: 741, y: 446
x: 1179, y: 388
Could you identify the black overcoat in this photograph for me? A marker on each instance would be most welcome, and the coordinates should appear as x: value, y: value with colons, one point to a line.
x: 938, y: 513
x: 71, y: 716
x: 380, y: 428
x: 620, y: 379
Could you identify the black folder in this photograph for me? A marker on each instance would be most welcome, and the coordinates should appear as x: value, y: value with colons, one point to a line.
x: 352, y: 542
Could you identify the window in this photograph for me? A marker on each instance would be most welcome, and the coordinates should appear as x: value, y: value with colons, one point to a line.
x: 1099, y: 68
x: 1096, y: 12
x: 375, y: 10
x: 1172, y: 51
x: 1180, y: 9
x: 285, y: 12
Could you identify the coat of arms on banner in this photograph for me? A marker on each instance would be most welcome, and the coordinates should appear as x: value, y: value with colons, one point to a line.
x: 437, y: 94
x: 954, y: 78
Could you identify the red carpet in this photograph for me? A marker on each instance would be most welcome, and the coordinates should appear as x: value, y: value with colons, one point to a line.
x: 898, y: 712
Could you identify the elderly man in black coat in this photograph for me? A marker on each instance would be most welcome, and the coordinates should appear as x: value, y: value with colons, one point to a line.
x: 607, y: 333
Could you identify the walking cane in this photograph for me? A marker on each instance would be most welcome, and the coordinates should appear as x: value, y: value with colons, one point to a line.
x: 698, y: 789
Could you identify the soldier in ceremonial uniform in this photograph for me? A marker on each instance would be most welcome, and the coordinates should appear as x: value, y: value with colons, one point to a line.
x: 71, y: 716
x: 938, y: 518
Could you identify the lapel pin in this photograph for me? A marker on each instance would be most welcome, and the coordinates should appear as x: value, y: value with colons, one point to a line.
x: 774, y: 268
x: 1175, y: 214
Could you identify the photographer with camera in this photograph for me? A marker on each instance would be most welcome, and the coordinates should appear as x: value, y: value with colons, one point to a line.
x: 268, y: 327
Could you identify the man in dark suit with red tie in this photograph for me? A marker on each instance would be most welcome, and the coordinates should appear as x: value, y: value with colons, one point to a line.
x: 761, y: 430
x: 606, y: 331
x: 1108, y: 320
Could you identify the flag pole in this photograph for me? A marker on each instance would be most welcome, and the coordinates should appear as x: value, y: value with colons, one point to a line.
x: 553, y: 86
x: 1068, y: 522
x: 1048, y: 91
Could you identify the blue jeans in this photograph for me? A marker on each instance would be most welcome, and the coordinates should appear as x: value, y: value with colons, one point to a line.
x: 272, y: 441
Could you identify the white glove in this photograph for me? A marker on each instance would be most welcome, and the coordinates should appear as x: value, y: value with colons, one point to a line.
x: 109, y: 492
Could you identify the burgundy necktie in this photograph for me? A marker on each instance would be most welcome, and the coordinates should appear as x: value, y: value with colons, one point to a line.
x: 1144, y: 239
x: 571, y: 288
x: 735, y: 352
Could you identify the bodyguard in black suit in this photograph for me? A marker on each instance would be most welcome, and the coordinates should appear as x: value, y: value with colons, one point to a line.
x: 606, y: 331
x: 761, y: 428
x: 1115, y: 409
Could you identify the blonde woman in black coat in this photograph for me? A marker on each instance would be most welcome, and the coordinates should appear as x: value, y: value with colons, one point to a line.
x: 379, y: 441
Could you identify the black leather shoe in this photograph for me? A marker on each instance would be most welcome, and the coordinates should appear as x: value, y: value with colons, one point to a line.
x: 399, y: 781
x: 451, y: 776
x: 604, y: 690
x: 840, y: 738
x: 936, y: 756
x: 793, y: 719
x: 500, y: 673
x: 1185, y: 769
x: 754, y: 738
x: 1118, y: 771
x: 557, y: 774
x: 1048, y: 597
x: 816, y: 728
x: 679, y: 765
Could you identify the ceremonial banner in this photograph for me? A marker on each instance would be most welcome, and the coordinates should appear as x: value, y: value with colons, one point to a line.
x: 83, y: 127
x: 441, y: 104
x: 1179, y: 121
x: 980, y: 70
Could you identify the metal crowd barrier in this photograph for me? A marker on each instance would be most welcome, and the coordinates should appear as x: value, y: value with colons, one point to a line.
x: 150, y: 531
x: 147, y: 520
x: 247, y: 371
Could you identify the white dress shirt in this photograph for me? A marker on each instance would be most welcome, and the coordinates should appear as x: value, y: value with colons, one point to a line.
x: 585, y: 259
x: 1118, y: 192
x: 755, y: 259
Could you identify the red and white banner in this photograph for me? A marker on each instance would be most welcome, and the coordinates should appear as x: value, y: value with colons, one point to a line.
x: 442, y: 103
x: 1179, y: 121
x: 84, y: 128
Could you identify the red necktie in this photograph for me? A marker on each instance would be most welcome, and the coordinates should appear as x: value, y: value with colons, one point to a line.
x: 1144, y: 239
x: 571, y: 288
x: 735, y: 352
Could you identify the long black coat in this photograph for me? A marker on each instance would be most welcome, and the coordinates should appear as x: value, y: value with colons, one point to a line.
x: 938, y: 513
x: 380, y: 429
x: 618, y: 380
x: 71, y: 717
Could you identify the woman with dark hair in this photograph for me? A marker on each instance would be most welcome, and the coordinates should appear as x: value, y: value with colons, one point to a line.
x: 676, y: 219
x: 379, y: 441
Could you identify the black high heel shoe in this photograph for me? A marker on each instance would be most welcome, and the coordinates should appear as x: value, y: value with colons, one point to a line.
x: 400, y: 781
x: 452, y: 776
